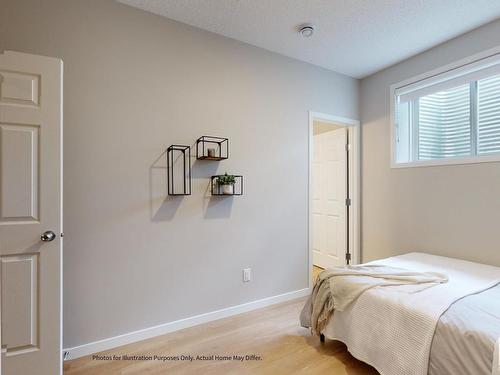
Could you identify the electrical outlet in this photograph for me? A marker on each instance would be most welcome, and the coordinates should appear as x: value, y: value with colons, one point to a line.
x: 247, y: 274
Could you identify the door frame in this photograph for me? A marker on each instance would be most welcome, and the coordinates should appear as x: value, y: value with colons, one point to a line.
x: 354, y: 171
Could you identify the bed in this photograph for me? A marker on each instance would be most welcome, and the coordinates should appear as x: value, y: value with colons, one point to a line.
x: 452, y: 328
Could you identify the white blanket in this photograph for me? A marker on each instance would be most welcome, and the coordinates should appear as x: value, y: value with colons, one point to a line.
x: 338, y: 287
x: 392, y: 329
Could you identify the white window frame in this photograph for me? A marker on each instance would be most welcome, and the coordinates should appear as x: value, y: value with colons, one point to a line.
x: 445, y: 71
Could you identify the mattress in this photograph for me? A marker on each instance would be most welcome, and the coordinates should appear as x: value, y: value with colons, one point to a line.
x: 466, y: 334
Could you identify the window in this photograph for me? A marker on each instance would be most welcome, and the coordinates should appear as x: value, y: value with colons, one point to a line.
x: 450, y: 117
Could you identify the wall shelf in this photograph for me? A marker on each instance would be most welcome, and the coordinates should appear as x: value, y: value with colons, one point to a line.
x: 212, y: 148
x: 179, y: 170
x: 217, y: 190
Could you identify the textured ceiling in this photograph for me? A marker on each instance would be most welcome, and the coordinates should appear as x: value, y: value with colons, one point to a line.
x: 354, y: 37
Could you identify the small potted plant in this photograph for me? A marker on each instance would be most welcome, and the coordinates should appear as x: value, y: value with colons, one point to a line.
x: 227, y: 182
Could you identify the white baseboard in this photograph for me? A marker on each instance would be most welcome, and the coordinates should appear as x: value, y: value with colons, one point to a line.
x: 162, y: 329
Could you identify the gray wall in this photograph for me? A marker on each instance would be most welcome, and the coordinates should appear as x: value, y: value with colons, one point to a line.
x: 446, y: 210
x: 135, y: 83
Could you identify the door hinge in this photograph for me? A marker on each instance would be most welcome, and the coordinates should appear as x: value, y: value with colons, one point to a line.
x: 348, y: 147
x: 348, y: 257
x: 348, y: 202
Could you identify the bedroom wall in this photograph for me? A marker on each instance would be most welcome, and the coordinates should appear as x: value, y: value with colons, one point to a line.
x: 135, y: 83
x: 446, y: 210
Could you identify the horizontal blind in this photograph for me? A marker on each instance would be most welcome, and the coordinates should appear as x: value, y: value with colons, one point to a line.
x: 488, y: 119
x: 444, y: 128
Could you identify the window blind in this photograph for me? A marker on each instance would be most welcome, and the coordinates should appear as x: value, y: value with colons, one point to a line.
x: 488, y: 122
x: 444, y: 126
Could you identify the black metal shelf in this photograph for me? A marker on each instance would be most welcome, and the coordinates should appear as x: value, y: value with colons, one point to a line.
x: 184, y: 153
x: 219, y: 152
x: 217, y: 190
x: 211, y: 158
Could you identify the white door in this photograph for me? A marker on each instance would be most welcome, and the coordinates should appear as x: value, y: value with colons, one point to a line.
x: 329, y: 178
x: 30, y: 204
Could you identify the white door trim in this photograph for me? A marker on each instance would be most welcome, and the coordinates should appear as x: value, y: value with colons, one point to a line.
x: 354, y: 133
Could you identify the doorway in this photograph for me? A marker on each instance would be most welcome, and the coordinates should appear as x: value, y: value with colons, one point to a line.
x: 333, y: 192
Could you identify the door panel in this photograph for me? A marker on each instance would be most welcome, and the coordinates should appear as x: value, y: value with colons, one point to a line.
x: 329, y: 176
x: 332, y: 238
x: 20, y: 295
x: 319, y: 226
x: 30, y: 204
x: 19, y: 172
x: 19, y: 88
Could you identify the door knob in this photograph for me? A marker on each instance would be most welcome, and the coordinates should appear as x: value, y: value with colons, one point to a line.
x: 48, y: 236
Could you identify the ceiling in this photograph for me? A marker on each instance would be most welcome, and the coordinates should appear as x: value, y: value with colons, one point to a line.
x: 354, y: 37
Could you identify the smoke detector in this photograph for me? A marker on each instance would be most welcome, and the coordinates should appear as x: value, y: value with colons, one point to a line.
x: 306, y: 30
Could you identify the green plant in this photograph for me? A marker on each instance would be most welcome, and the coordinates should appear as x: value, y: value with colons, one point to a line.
x: 226, y: 179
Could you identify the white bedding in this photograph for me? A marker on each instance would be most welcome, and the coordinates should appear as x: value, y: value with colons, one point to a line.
x: 391, y: 328
x: 465, y: 337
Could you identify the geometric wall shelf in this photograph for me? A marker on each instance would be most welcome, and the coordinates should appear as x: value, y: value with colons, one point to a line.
x: 219, y: 190
x: 212, y: 148
x: 179, y: 170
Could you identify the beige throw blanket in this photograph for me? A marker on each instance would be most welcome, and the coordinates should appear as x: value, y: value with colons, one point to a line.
x: 336, y: 288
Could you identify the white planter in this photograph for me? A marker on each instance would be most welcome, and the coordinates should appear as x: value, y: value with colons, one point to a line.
x: 227, y: 189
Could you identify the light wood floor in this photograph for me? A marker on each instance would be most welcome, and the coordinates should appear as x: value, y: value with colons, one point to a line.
x: 273, y: 333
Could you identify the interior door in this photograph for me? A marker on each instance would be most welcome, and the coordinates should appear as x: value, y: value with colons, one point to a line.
x: 329, y: 211
x: 30, y: 213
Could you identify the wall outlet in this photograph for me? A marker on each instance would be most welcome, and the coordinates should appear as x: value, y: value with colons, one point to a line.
x: 247, y: 274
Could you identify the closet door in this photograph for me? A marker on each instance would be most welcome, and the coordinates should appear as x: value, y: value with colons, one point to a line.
x: 329, y: 175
